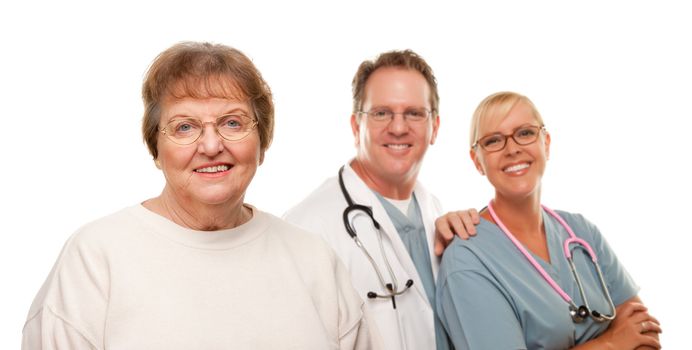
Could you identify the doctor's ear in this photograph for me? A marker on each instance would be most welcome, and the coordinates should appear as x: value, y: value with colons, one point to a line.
x: 355, y: 128
x: 435, y: 127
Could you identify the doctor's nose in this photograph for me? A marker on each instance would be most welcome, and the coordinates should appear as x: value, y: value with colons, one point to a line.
x: 398, y: 125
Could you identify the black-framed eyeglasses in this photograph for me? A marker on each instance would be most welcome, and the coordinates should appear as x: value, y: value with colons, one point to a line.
x: 523, y: 135
x: 231, y: 127
x: 385, y: 115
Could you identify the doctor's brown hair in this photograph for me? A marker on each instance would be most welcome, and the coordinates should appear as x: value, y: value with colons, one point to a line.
x: 204, y: 70
x: 406, y: 59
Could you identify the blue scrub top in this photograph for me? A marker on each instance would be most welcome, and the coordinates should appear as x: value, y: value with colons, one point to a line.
x: 490, y: 297
x: 411, y: 229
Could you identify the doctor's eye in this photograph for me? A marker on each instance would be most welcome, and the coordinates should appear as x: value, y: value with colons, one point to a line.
x: 416, y: 114
x: 380, y: 114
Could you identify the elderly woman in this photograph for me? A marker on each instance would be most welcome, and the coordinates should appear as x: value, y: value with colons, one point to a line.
x: 533, y: 278
x: 196, y: 267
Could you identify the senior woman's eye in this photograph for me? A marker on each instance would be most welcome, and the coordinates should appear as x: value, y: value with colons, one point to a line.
x: 233, y: 122
x: 185, y: 127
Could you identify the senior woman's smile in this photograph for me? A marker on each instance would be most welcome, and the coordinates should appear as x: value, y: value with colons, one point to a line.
x: 196, y: 267
x: 219, y: 169
x: 211, y: 170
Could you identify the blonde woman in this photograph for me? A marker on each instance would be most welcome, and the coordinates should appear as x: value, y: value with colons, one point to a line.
x: 533, y: 278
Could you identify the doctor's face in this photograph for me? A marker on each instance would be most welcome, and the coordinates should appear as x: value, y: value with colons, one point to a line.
x: 391, y: 151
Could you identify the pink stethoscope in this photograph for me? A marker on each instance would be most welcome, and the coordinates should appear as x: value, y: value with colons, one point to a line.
x: 578, y: 313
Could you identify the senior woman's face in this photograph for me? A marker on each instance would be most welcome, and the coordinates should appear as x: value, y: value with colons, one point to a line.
x: 210, y: 170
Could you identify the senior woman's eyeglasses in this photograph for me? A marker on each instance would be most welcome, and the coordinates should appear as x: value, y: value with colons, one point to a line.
x: 231, y: 127
x: 384, y: 115
x: 524, y: 135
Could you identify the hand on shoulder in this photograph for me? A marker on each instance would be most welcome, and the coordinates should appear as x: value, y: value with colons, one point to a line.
x: 461, y: 223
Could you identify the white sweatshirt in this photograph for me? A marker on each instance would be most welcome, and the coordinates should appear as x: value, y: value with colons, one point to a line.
x: 135, y: 280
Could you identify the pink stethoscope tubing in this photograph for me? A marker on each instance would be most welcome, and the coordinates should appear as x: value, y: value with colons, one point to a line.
x: 578, y: 313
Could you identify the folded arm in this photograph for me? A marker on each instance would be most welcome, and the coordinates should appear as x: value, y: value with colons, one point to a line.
x: 633, y: 328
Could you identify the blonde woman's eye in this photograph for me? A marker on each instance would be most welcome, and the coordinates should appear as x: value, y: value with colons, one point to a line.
x: 526, y: 133
x: 492, y: 140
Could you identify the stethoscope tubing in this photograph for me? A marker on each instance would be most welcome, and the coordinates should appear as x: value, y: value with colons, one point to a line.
x: 578, y: 313
x: 529, y: 257
x: 392, y: 288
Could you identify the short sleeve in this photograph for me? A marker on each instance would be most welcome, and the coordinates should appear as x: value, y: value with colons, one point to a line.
x: 473, y: 309
x: 620, y: 284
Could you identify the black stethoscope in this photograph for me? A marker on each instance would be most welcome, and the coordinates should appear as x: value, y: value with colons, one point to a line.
x: 392, y: 288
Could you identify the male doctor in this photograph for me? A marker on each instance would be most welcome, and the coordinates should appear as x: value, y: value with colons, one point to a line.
x: 393, y: 267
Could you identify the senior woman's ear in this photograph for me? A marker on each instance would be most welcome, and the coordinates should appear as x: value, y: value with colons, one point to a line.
x: 157, y: 162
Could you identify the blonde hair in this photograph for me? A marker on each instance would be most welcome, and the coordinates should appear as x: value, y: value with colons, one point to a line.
x: 496, y: 107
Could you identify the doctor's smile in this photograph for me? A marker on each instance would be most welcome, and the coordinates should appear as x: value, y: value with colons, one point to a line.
x: 398, y: 146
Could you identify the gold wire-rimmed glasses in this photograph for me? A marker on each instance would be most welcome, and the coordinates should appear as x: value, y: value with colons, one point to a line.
x: 187, y: 130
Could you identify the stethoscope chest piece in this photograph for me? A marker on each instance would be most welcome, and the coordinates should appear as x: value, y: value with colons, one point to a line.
x: 391, y: 288
x: 579, y: 314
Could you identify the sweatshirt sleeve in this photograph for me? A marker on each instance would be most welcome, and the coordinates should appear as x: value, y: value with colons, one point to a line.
x: 69, y: 311
x: 46, y: 330
x: 357, y: 329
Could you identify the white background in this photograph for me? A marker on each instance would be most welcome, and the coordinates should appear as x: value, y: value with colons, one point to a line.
x: 612, y: 80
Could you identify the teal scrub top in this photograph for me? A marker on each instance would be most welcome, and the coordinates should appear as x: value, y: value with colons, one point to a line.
x: 490, y: 297
x: 411, y: 229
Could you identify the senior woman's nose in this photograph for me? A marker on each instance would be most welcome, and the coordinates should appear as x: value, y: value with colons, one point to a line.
x: 210, y: 142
